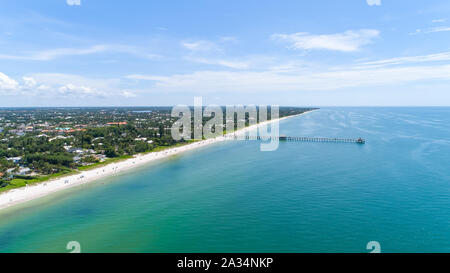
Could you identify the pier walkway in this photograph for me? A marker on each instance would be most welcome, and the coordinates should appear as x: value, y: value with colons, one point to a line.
x: 302, y: 139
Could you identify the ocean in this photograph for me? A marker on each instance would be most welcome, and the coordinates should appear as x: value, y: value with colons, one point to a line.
x: 232, y: 197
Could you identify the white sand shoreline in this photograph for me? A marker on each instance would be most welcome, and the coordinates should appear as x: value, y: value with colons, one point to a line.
x: 21, y: 195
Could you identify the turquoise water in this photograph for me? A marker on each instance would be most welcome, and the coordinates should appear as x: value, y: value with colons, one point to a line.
x: 230, y: 197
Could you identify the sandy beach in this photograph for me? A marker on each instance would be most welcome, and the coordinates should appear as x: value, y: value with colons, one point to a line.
x: 25, y: 194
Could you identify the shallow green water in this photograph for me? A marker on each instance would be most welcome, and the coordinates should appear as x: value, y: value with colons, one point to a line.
x: 230, y: 197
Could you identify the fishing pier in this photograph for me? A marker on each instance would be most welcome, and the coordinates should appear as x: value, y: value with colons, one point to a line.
x: 298, y: 139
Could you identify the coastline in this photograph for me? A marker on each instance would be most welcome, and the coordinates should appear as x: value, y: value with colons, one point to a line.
x: 28, y: 193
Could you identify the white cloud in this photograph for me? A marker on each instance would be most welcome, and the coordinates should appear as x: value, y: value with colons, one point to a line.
x: 347, y: 41
x: 201, y: 45
x: 208, y: 45
x: 373, y: 2
x: 128, y: 94
x: 43, y: 87
x: 47, y: 55
x: 53, y: 86
x: 226, y: 63
x: 6, y: 83
x: 29, y: 82
x: 444, y: 56
x: 70, y: 88
x: 438, y: 29
x: 51, y: 54
x: 146, y: 77
x: 273, y: 80
x: 67, y: 85
x: 209, y: 52
x: 230, y: 39
x: 73, y: 2
x: 439, y: 20
x: 430, y: 30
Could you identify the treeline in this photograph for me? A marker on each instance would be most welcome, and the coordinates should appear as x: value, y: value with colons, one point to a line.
x: 48, y: 157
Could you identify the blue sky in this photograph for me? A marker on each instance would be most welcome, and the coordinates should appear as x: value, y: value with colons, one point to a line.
x: 303, y: 53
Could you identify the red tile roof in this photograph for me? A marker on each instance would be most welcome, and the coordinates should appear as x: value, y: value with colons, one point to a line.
x: 117, y: 123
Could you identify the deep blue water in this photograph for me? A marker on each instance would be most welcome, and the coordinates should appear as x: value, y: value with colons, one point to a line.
x: 231, y: 197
